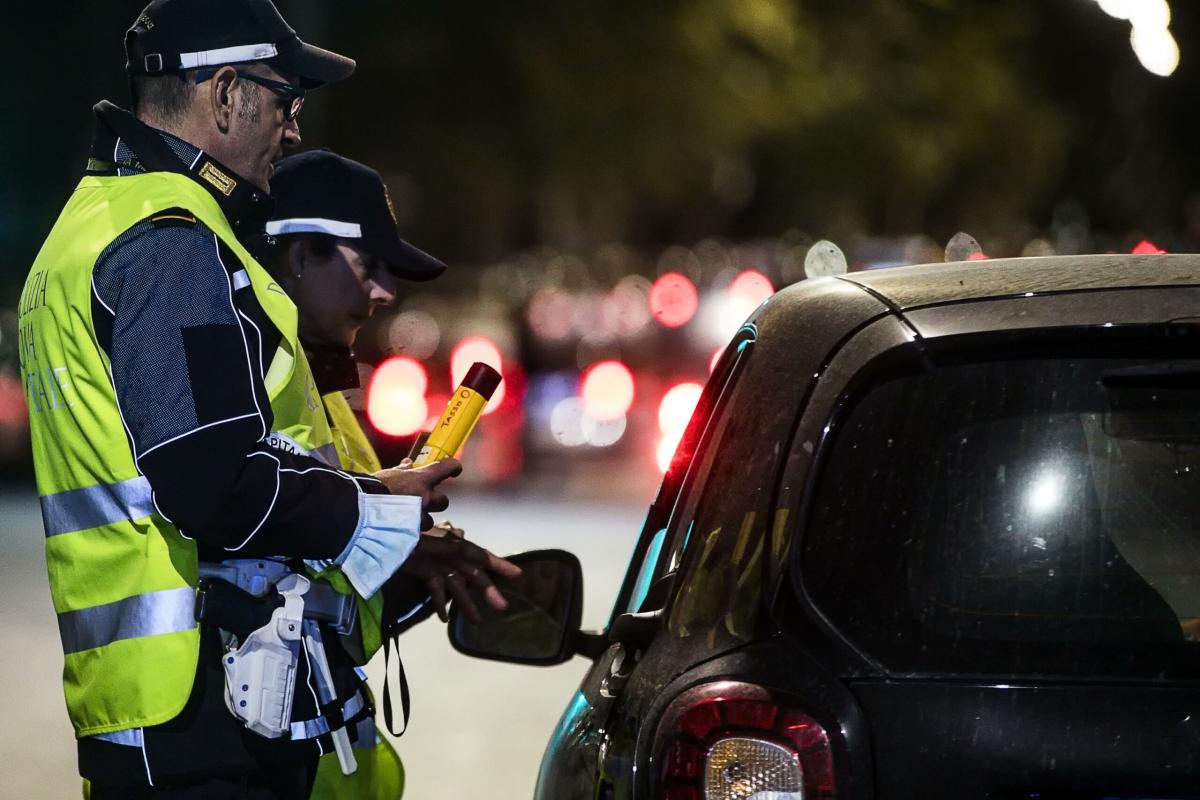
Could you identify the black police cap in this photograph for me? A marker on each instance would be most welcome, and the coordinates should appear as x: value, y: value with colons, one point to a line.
x: 322, y: 192
x: 174, y: 35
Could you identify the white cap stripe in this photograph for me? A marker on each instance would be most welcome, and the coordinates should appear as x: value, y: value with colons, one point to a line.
x: 345, y: 230
x: 228, y: 55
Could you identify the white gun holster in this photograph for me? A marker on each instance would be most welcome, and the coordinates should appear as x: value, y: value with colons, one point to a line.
x: 260, y: 676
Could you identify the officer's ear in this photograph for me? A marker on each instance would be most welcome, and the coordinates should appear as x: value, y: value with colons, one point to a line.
x: 221, y: 96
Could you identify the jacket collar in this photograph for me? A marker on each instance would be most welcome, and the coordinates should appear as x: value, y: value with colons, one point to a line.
x: 245, y: 205
x: 334, y: 368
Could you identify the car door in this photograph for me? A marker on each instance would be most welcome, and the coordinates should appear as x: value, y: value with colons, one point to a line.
x: 582, y: 758
x: 695, y: 585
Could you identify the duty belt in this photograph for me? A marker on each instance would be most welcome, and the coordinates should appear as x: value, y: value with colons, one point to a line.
x: 312, y: 728
x: 219, y: 604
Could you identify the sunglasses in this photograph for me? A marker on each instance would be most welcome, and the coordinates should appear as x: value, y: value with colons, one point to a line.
x: 292, y: 95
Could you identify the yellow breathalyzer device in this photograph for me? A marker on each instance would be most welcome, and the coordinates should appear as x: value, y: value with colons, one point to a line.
x: 462, y: 412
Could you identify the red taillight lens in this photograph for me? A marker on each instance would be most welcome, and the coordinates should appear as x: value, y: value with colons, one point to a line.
x: 728, y: 741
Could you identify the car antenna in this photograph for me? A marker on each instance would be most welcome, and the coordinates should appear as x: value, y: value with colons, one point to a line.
x: 964, y: 247
x: 824, y: 259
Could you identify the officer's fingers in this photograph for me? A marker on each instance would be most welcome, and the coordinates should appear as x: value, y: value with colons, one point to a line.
x: 456, y: 583
x: 481, y: 580
x: 426, y: 521
x: 502, y: 566
x: 486, y: 559
x: 453, y: 532
x: 437, y: 591
x: 438, y: 471
x: 435, y: 501
x: 495, y: 599
x: 464, y: 601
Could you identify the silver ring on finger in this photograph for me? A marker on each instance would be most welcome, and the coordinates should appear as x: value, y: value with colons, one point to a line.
x: 449, y: 575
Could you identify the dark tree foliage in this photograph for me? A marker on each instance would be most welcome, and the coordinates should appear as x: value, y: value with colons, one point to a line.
x: 502, y: 125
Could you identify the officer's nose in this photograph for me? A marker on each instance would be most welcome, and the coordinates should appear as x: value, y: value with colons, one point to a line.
x: 382, y: 288
x: 291, y: 133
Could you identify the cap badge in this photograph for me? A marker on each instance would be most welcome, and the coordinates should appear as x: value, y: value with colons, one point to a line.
x: 219, y: 180
x: 387, y: 197
x: 145, y: 21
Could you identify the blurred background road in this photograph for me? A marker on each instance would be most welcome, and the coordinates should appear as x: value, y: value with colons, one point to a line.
x: 477, y: 728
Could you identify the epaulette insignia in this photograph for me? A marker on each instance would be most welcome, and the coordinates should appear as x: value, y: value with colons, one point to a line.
x: 173, y: 217
x: 217, y: 179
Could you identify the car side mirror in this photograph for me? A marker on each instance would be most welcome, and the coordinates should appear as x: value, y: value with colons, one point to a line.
x: 541, y: 625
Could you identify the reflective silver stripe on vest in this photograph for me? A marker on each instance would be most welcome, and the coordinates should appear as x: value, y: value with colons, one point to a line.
x: 130, y: 737
x: 93, y: 506
x: 312, y: 728
x: 327, y: 453
x: 168, y: 611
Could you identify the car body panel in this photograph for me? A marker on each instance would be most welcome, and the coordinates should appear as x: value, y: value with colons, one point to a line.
x: 934, y: 740
x: 1116, y: 307
x: 935, y: 284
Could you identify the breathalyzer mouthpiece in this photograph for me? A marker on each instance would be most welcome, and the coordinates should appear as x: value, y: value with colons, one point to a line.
x: 462, y: 412
x: 483, y: 379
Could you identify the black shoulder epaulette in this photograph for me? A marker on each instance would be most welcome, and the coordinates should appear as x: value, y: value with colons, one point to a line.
x: 173, y: 218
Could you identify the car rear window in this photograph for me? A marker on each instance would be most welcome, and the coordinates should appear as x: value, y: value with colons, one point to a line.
x: 1028, y: 516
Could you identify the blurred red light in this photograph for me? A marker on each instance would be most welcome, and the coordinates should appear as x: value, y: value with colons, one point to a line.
x: 466, y: 353
x: 977, y: 256
x: 550, y: 313
x: 750, y: 288
x: 12, y: 401
x: 396, y: 397
x: 1148, y: 248
x: 607, y: 390
x: 674, y: 411
x: 712, y: 362
x: 673, y: 300
x: 666, y: 451
x: 676, y: 408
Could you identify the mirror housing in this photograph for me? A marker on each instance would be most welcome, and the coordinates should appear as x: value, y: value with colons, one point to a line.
x: 541, y: 625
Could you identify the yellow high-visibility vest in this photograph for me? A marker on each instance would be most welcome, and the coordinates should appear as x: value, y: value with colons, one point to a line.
x: 122, y: 578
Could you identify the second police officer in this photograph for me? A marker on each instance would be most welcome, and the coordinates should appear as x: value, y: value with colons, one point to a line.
x: 334, y: 248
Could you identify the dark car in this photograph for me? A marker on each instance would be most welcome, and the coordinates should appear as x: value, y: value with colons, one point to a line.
x: 932, y: 532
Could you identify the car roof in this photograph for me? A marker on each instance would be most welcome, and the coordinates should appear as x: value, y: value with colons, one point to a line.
x: 936, y: 284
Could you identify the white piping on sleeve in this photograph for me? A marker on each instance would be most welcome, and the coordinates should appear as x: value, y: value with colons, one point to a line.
x: 270, y: 508
x: 194, y: 430
x: 257, y: 332
x: 242, y: 331
x: 146, y: 761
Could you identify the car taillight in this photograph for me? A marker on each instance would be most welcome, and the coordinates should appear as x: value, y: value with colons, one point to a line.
x: 734, y: 741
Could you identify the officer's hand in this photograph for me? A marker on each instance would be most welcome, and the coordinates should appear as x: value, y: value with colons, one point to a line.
x: 422, y: 482
x: 446, y: 528
x: 449, y: 564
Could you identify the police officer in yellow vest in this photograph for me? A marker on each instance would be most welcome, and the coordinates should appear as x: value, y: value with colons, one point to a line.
x: 334, y: 248
x: 177, y: 433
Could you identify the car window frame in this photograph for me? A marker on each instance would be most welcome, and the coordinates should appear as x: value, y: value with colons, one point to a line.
x: 683, y: 485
